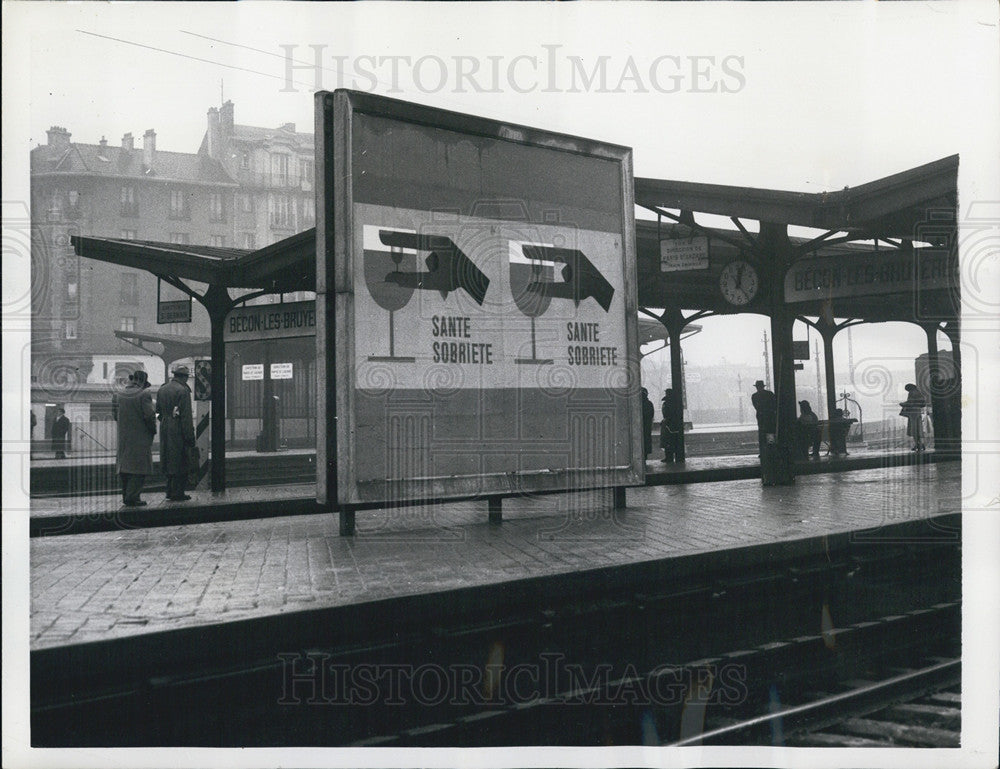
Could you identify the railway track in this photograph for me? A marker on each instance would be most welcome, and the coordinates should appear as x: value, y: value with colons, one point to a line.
x: 652, y: 658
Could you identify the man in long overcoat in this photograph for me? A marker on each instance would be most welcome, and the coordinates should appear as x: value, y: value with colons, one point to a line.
x: 765, y: 403
x: 60, y: 433
x: 173, y: 407
x: 136, y: 428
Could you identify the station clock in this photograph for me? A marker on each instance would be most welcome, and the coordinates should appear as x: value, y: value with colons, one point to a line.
x: 739, y: 282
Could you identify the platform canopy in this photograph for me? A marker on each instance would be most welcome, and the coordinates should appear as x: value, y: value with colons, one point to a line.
x: 286, y: 266
x: 873, y: 220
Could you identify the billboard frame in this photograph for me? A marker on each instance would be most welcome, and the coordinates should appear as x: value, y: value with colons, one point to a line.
x: 336, y: 477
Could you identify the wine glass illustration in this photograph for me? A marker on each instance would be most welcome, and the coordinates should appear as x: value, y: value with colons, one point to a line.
x: 529, y: 282
x: 380, y: 262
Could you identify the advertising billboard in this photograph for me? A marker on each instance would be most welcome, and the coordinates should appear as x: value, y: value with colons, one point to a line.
x: 476, y: 306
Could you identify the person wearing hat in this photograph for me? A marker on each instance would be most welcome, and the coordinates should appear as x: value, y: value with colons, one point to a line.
x: 766, y: 405
x: 648, y: 413
x: 173, y: 407
x: 807, y: 433
x: 136, y: 428
x: 913, y: 410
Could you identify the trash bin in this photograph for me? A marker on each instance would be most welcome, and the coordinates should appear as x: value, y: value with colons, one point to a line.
x: 775, y: 463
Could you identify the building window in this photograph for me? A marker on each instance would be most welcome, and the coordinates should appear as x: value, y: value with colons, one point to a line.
x: 130, y: 201
x: 281, y: 211
x: 308, y: 210
x: 128, y: 235
x: 130, y: 288
x: 70, y: 329
x: 246, y: 203
x: 128, y: 323
x: 180, y: 238
x: 179, y: 205
x: 217, y: 241
x: 249, y: 241
x: 279, y: 170
x: 73, y: 207
x: 216, y: 212
x: 307, y: 172
x: 245, y: 160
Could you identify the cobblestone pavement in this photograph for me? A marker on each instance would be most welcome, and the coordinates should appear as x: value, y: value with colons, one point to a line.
x: 95, y: 586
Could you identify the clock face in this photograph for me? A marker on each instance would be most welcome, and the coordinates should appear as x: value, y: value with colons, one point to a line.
x: 739, y: 282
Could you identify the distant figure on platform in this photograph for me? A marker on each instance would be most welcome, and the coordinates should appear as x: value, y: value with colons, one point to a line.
x: 173, y: 407
x: 913, y: 410
x: 807, y: 433
x: 766, y: 405
x: 648, y: 412
x: 60, y: 434
x: 840, y: 425
x: 136, y: 428
x: 670, y: 427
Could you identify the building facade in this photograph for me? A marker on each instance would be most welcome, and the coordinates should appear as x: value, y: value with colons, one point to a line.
x: 246, y: 187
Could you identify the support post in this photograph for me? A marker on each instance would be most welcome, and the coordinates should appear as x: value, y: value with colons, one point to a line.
x: 347, y: 521
x: 827, y: 332
x: 934, y: 386
x: 674, y: 322
x: 218, y: 304
x: 619, y: 498
x: 777, y: 250
x: 495, y: 503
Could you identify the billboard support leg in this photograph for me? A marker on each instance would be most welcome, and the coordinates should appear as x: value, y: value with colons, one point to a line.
x: 495, y: 508
x: 347, y: 521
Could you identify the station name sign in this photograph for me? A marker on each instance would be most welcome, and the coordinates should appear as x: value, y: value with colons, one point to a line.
x: 271, y: 321
x: 871, y: 274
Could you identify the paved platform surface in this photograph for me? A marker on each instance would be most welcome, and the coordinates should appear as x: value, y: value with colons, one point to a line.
x: 99, y: 586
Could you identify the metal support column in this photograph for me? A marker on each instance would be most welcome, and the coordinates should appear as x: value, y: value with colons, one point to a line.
x: 674, y: 322
x: 218, y: 303
x: 934, y: 386
x: 777, y: 251
x: 827, y: 331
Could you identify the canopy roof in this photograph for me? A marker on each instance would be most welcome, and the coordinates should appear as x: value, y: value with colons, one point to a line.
x: 892, y: 207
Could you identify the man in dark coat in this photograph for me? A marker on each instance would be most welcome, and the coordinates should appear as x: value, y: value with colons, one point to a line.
x: 648, y: 412
x: 766, y: 405
x: 60, y: 434
x: 173, y: 407
x: 136, y: 428
x: 671, y: 426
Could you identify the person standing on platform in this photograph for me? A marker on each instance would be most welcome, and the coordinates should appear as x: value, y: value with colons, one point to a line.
x: 670, y: 427
x: 60, y: 433
x: 648, y: 412
x: 913, y: 410
x: 173, y: 407
x: 808, y: 432
x: 766, y: 405
x: 136, y: 428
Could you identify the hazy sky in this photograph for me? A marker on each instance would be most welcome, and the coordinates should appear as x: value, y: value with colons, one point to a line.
x: 807, y: 97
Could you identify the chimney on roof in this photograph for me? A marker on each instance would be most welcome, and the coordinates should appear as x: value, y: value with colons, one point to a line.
x: 58, y: 137
x: 127, y: 143
x: 226, y: 119
x: 103, y: 143
x: 214, y: 134
x: 287, y: 127
x: 148, y: 148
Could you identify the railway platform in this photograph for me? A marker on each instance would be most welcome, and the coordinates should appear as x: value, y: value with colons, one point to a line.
x: 296, y: 570
x: 52, y: 515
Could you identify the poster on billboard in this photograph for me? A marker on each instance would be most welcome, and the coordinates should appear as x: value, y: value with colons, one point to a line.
x: 481, y: 280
